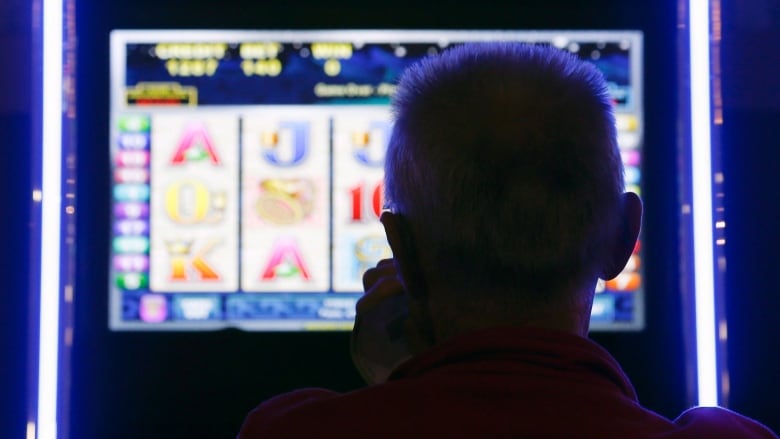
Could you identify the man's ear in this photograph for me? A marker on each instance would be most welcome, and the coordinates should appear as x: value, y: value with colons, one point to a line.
x: 623, y: 245
x: 402, y: 244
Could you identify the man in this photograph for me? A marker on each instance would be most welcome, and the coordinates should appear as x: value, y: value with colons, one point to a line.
x: 506, y: 204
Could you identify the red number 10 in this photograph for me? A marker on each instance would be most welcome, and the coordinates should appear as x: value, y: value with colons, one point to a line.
x: 359, y: 199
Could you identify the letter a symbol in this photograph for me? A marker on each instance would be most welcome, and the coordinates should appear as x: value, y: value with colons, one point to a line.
x: 195, y: 145
x: 286, y: 261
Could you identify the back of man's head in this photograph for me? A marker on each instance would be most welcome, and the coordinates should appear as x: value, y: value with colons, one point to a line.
x: 503, y: 161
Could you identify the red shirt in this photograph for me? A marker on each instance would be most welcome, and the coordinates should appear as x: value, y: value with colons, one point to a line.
x: 494, y: 383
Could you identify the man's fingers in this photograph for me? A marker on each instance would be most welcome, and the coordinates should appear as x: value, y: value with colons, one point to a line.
x: 385, y: 267
x: 379, y: 283
x: 384, y: 288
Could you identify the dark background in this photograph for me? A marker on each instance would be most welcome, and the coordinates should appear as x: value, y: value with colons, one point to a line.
x: 202, y: 384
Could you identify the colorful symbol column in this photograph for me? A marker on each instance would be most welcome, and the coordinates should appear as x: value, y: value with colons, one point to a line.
x: 629, y: 141
x: 285, y: 213
x: 360, y: 140
x: 130, y: 243
x: 194, y: 207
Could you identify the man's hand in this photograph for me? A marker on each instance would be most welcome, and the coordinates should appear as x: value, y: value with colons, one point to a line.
x: 378, y: 343
x: 380, y: 283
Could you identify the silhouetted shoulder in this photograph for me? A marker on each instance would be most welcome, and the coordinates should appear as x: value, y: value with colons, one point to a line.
x: 717, y: 422
x: 261, y: 421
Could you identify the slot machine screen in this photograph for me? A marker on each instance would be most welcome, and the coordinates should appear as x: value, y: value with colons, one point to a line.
x: 247, y: 171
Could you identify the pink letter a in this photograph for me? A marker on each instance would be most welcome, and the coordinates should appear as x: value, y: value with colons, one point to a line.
x: 195, y: 135
x: 285, y: 253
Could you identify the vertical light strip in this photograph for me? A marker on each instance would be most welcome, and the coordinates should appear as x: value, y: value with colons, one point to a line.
x: 701, y: 159
x: 48, y: 354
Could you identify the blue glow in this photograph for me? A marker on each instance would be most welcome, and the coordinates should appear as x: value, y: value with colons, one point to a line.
x: 50, y: 198
x: 701, y: 145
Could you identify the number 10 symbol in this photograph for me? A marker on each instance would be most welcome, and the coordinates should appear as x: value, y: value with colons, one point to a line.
x: 362, y: 197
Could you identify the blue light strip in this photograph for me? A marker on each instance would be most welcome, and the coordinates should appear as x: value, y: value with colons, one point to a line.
x: 50, y: 199
x: 701, y: 160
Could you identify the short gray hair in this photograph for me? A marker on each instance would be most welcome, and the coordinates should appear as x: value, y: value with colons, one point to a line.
x: 504, y: 161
